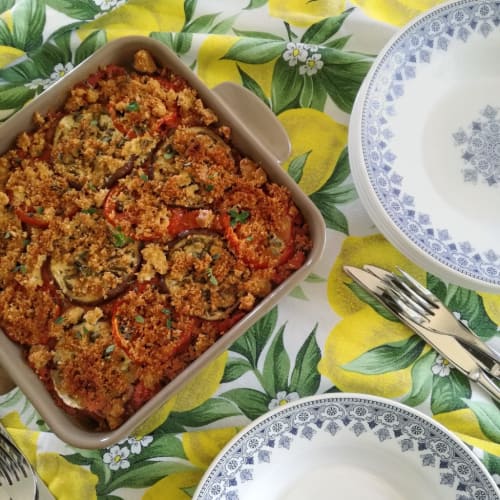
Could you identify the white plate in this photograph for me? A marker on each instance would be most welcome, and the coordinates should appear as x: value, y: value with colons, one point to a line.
x: 349, y: 447
x: 424, y: 142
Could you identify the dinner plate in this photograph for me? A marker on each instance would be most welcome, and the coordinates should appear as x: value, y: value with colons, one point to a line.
x: 346, y: 446
x: 424, y: 142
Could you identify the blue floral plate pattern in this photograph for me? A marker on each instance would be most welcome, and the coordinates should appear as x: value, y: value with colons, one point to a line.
x: 408, y: 147
x: 355, y: 445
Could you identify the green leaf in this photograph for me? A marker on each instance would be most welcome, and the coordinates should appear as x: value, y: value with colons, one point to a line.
x: 5, y: 34
x: 224, y: 26
x: 338, y: 43
x: 320, y: 32
x: 202, y: 24
x: 421, y: 376
x: 286, y: 86
x: 250, y: 344
x: 252, y: 85
x: 276, y: 366
x: 28, y: 24
x: 164, y: 445
x: 249, y: 50
x: 14, y: 97
x: 296, y: 166
x: 210, y: 411
x: 492, y: 463
x: 189, y: 8
x: 93, y: 42
x: 182, y: 43
x: 6, y: 5
x: 305, y: 378
x: 143, y: 475
x: 388, y: 357
x: 77, y: 9
x: 319, y: 94
x: 334, y: 218
x: 264, y: 35
x: 234, y: 369
x: 448, y: 392
x: 488, y: 416
x: 298, y: 293
x: 342, y: 76
x: 365, y: 297
x: 315, y: 278
x: 255, y: 4
x: 21, y: 73
x: 307, y: 93
x: 252, y: 403
x: 46, y: 57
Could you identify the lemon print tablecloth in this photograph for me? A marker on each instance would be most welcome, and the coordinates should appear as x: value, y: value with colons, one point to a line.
x: 306, y: 60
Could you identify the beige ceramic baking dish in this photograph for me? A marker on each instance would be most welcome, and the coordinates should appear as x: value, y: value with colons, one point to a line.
x: 256, y: 132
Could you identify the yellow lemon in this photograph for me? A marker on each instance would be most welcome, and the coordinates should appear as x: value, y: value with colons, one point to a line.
x: 25, y: 438
x: 9, y: 55
x: 138, y: 17
x: 465, y: 425
x: 64, y: 479
x: 396, y: 12
x: 155, y: 420
x: 201, y: 387
x: 314, y: 132
x: 356, y: 251
x: 174, y: 486
x: 491, y: 304
x: 213, y: 69
x: 303, y: 13
x: 352, y: 337
x: 202, y: 447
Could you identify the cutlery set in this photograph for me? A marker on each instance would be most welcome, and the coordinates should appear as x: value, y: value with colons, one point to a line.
x: 423, y: 312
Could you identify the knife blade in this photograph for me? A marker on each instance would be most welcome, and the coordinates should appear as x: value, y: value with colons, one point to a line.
x: 447, y: 346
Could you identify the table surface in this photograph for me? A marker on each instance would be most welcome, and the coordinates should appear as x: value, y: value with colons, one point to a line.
x: 322, y: 337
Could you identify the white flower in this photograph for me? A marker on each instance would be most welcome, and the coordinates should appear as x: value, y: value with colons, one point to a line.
x: 105, y: 4
x: 441, y: 367
x: 136, y: 445
x: 312, y: 66
x: 282, y: 398
x: 116, y: 458
x: 37, y: 82
x: 294, y: 53
x: 59, y: 71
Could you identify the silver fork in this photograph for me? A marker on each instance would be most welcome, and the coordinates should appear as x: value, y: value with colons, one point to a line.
x: 421, y: 306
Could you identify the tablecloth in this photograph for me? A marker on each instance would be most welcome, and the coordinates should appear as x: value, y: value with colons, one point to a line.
x: 306, y: 60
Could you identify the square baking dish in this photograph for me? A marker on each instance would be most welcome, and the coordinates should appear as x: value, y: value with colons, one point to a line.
x: 255, y: 132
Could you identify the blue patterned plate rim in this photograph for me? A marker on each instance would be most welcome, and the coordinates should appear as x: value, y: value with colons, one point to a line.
x: 429, y: 33
x: 459, y: 468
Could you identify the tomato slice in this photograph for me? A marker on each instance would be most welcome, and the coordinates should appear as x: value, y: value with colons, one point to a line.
x: 28, y: 216
x: 259, y: 231
x: 148, y: 329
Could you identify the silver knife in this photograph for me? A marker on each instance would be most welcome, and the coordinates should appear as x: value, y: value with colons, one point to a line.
x: 448, y: 347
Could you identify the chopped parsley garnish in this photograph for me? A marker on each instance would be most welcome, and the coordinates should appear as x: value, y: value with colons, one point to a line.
x: 90, y: 211
x: 209, y: 187
x: 139, y: 319
x: 211, y: 277
x: 132, y: 106
x: 168, y: 155
x: 19, y: 268
x: 40, y: 210
x: 144, y: 177
x: 59, y: 320
x: 120, y: 239
x: 238, y: 216
x: 165, y: 311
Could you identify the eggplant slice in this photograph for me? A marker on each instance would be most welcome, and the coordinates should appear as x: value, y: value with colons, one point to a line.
x: 93, y: 262
x: 103, y: 154
x: 204, y: 278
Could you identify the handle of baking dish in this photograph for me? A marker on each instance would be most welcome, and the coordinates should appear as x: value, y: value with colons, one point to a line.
x: 261, y: 121
x: 6, y: 383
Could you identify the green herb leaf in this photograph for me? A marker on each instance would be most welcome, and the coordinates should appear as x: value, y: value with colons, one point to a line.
x: 211, y: 277
x: 119, y: 238
x: 139, y: 319
x: 59, y: 320
x: 238, y: 216
x: 144, y: 177
x: 90, y: 211
x: 132, y: 106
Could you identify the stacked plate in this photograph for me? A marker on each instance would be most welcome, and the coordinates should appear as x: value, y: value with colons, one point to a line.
x: 424, y: 143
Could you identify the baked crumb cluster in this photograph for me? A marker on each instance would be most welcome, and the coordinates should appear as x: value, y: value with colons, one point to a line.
x: 132, y: 236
